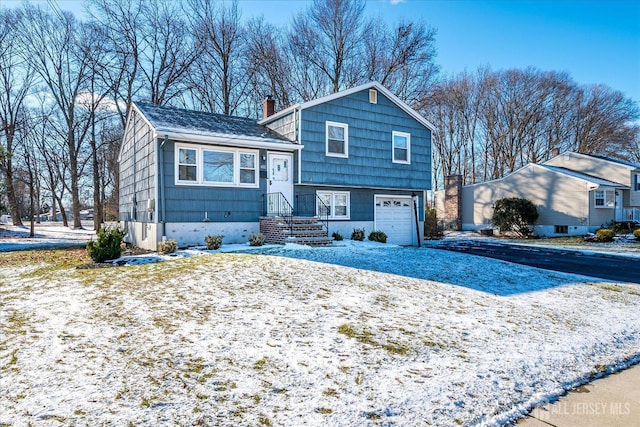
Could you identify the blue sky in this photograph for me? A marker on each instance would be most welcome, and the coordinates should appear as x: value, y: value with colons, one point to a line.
x: 594, y: 41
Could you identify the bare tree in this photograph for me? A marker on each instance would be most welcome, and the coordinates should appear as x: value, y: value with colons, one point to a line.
x: 494, y: 122
x: 16, y: 78
x: 219, y: 81
x: 401, y: 58
x: 267, y: 62
x: 327, y: 36
x: 63, y: 66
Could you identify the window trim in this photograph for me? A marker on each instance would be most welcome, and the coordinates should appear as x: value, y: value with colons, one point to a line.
x: 346, y: 139
x: 333, y: 194
x: 200, y: 182
x: 393, y: 147
x: 178, y: 164
x: 604, y: 199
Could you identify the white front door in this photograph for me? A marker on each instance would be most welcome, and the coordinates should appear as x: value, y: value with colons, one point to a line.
x: 280, y: 180
x: 619, y: 210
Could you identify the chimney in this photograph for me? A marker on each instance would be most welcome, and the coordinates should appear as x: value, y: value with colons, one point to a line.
x: 453, y: 202
x: 555, y: 152
x: 268, y: 107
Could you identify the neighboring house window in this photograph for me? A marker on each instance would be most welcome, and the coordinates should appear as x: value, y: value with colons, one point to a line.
x: 604, y: 198
x: 337, y: 139
x: 187, y: 170
x: 401, y: 147
x: 220, y: 167
x: 335, y: 204
x: 637, y: 185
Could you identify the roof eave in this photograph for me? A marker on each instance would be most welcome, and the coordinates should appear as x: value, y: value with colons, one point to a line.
x: 230, y: 141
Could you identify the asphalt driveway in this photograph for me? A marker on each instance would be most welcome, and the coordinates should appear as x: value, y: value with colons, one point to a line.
x: 605, y: 266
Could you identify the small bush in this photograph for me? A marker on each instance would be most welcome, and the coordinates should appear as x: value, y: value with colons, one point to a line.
x: 256, y: 239
x: 357, y: 234
x: 605, y: 235
x: 636, y: 233
x: 168, y: 246
x: 213, y: 242
x: 108, y: 246
x: 514, y: 214
x: 378, y: 236
x: 337, y: 236
x: 432, y: 228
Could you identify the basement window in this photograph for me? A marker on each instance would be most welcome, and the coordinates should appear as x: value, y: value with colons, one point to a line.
x: 561, y: 229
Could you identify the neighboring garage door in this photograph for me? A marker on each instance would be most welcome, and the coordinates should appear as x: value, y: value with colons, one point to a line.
x: 394, y: 216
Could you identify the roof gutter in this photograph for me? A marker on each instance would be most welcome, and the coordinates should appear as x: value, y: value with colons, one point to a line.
x: 230, y: 141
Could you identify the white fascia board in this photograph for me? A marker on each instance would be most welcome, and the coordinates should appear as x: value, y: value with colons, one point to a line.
x: 227, y: 140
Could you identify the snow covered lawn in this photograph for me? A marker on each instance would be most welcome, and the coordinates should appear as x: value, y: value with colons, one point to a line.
x: 358, y: 334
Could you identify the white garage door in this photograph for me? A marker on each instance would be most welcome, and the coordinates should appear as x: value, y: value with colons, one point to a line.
x: 394, y: 216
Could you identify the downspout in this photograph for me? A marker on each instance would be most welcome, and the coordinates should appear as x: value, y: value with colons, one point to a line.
x: 298, y: 125
x: 161, y: 204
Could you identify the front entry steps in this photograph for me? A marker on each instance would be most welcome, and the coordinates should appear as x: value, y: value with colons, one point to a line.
x: 303, y: 231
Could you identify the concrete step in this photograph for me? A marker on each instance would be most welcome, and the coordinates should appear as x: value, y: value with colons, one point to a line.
x: 310, y: 241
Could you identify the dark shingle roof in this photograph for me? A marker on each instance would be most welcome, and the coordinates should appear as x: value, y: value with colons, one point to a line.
x: 189, y: 122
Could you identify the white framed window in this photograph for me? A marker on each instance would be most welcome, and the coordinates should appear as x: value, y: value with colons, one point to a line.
x: 401, y: 147
x: 220, y: 166
x: 248, y: 168
x: 187, y: 165
x: 335, y: 204
x: 604, y: 198
x: 337, y: 135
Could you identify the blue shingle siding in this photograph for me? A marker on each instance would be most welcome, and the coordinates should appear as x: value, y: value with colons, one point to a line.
x: 137, y: 170
x: 361, y: 199
x: 370, y: 145
x: 188, y: 203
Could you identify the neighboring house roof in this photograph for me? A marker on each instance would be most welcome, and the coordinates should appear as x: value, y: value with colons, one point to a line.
x: 595, y: 181
x: 198, y: 126
x: 611, y: 159
x: 370, y: 85
x: 583, y: 176
x: 629, y: 165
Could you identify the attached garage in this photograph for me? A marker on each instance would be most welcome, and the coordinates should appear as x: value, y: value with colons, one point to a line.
x: 394, y: 216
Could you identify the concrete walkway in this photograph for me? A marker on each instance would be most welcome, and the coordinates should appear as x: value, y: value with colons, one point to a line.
x: 610, y: 401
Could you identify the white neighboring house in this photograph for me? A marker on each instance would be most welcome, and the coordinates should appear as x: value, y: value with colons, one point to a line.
x: 574, y: 193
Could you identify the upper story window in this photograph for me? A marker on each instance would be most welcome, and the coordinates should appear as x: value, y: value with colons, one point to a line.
x: 216, y: 167
x: 335, y: 204
x: 337, y: 139
x: 401, y: 147
x: 604, y: 198
x: 636, y: 186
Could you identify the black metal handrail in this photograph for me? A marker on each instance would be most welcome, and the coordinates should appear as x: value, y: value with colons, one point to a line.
x: 311, y: 205
x: 276, y: 204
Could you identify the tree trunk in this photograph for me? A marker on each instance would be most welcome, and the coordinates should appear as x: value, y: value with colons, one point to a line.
x: 11, y: 195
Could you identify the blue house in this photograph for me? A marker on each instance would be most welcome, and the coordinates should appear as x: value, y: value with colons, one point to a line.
x: 360, y: 158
